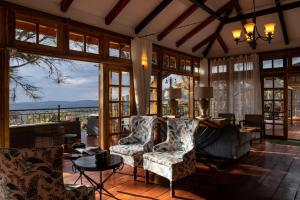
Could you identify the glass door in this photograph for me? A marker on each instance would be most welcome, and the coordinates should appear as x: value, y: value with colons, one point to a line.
x: 294, y: 107
x: 274, y: 106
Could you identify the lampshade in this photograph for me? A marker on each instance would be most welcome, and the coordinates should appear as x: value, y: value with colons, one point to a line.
x: 248, y: 38
x: 203, y: 92
x: 269, y: 29
x: 144, y: 62
x: 236, y: 34
x: 249, y: 28
x: 173, y: 93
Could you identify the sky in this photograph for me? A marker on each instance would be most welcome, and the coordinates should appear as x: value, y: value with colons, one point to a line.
x: 81, y: 84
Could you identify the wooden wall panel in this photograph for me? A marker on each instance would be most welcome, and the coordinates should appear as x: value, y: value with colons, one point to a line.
x: 4, y: 99
x: 2, y: 25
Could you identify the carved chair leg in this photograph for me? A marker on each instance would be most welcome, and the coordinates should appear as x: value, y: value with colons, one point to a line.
x: 172, y: 189
x: 146, y: 176
x: 134, y: 173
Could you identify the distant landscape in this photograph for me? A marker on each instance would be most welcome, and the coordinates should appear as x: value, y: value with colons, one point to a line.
x: 53, y: 104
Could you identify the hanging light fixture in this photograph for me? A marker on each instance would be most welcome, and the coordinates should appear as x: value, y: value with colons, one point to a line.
x: 252, y: 34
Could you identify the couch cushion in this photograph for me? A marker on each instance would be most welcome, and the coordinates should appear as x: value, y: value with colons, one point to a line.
x: 165, y: 158
x: 127, y: 149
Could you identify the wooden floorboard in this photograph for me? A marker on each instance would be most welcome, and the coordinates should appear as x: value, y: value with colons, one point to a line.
x: 269, y: 171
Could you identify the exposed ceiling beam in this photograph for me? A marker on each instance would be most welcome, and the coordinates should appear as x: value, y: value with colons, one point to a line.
x: 65, y: 4
x: 263, y: 12
x: 282, y: 23
x: 219, y: 29
x: 200, y: 4
x: 222, y: 44
x: 239, y: 12
x: 177, y: 21
x: 202, y: 25
x: 152, y: 15
x: 115, y: 11
x: 203, y: 42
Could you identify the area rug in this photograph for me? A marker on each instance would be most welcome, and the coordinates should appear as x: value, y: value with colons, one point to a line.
x: 286, y: 142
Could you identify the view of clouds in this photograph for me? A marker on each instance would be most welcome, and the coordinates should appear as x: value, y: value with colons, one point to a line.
x: 81, y: 82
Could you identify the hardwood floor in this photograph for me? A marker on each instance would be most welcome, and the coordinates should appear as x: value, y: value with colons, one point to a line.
x: 269, y: 171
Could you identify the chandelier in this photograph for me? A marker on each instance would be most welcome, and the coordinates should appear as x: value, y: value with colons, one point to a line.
x: 252, y: 34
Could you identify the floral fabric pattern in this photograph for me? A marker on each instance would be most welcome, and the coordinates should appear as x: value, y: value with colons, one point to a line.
x: 140, y: 140
x: 36, y: 174
x: 174, y: 158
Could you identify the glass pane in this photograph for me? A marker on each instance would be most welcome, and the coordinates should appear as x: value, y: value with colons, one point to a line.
x: 182, y: 64
x: 278, y: 95
x: 114, y: 94
x: 125, y: 94
x: 153, y: 95
x: 47, y: 36
x: 172, y: 62
x: 278, y: 106
x: 278, y: 63
x: 153, y: 81
x: 296, y: 61
x: 188, y: 65
x: 125, y: 78
x: 279, y: 118
x: 126, y: 109
x: 238, y: 67
x: 114, y: 49
x: 76, y: 42
x: 114, y: 78
x: 268, y: 95
x: 269, y: 116
x: 125, y: 51
x: 114, y: 126
x: 278, y: 82
x: 222, y: 68
x: 214, y: 69
x: 267, y: 64
x: 269, y: 129
x: 153, y: 108
x: 278, y: 130
x: 114, y: 110
x: 125, y: 125
x: 268, y: 106
x: 166, y: 61
x: 92, y: 45
x: 25, y: 31
x: 154, y: 58
x: 268, y: 82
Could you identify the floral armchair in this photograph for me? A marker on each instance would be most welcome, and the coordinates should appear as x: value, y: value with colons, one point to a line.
x: 37, y: 174
x: 175, y: 158
x: 139, y: 141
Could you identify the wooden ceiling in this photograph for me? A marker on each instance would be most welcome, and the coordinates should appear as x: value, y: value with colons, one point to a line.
x: 215, y: 19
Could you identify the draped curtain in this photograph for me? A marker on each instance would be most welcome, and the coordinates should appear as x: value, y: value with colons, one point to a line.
x: 238, y: 89
x: 141, y: 52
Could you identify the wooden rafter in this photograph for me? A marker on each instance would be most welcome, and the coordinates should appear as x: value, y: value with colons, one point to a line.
x: 176, y: 22
x: 238, y: 10
x: 219, y: 29
x: 152, y: 15
x: 65, y: 4
x: 263, y: 12
x: 282, y: 22
x: 201, y: 4
x: 222, y: 44
x: 115, y: 11
x: 203, y: 42
x: 202, y: 25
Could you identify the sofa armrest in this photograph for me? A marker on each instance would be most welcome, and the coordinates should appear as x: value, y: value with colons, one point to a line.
x: 128, y: 140
x: 161, y: 147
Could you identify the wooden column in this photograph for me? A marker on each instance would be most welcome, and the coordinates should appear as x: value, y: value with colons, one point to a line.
x: 4, y: 99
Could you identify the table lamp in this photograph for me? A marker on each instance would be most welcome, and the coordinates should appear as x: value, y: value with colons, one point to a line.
x: 203, y: 94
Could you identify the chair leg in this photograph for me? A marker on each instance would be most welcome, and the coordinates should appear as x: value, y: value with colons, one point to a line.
x: 146, y: 176
x: 134, y: 173
x: 172, y: 189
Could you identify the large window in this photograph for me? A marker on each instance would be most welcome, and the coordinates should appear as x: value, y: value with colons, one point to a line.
x: 119, y: 103
x: 169, y: 61
x: 35, y: 33
x: 186, y: 65
x: 273, y: 63
x: 176, y: 81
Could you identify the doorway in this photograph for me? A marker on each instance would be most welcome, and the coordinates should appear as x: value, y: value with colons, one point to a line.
x: 294, y: 107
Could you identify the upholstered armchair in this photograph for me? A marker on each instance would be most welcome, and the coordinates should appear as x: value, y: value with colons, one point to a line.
x: 175, y: 158
x: 139, y: 141
x: 37, y: 174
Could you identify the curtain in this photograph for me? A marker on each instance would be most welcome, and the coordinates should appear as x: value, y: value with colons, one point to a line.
x: 141, y: 52
x: 237, y: 88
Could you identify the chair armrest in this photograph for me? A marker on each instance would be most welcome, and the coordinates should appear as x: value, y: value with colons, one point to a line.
x: 148, y: 146
x: 190, y: 156
x: 161, y: 147
x: 128, y: 140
